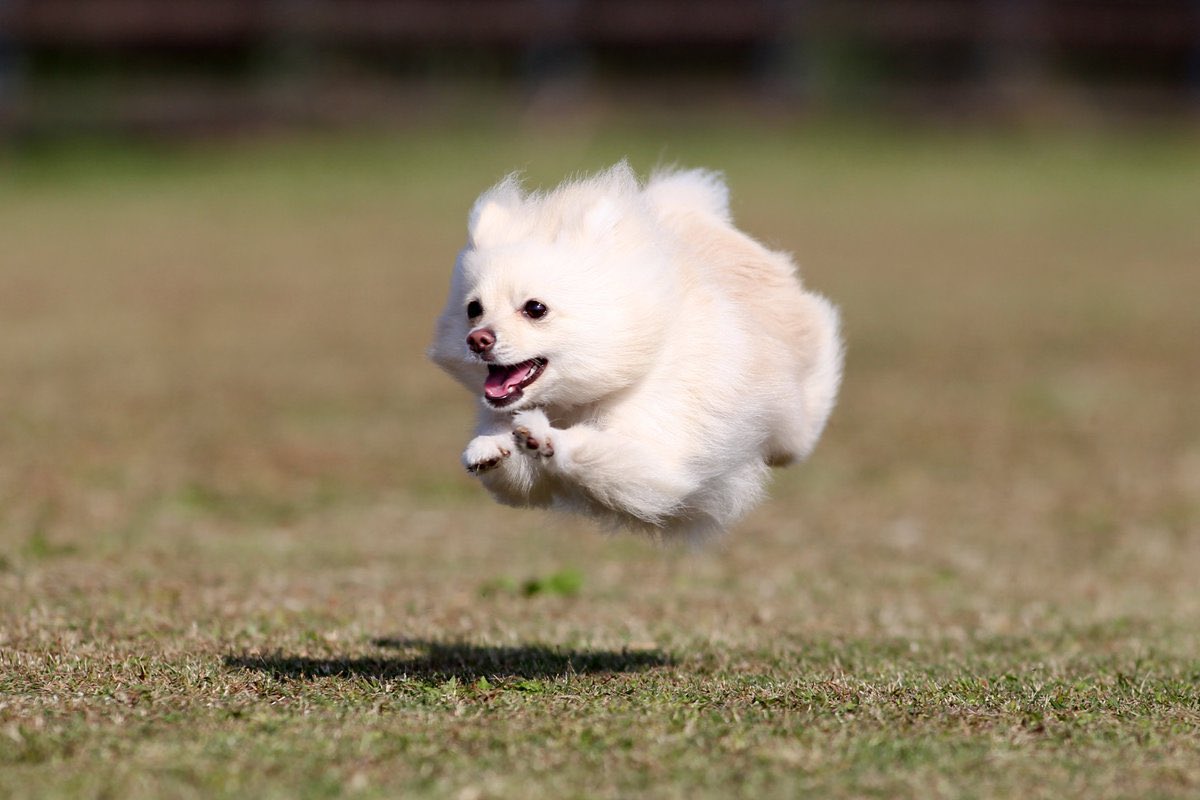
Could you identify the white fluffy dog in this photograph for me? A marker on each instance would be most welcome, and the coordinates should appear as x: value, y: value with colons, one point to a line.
x: 639, y: 358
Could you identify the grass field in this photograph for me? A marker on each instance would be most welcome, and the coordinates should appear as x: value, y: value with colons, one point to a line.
x: 238, y: 556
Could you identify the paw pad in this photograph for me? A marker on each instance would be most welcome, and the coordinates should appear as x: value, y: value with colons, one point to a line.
x: 526, y: 440
x: 489, y: 463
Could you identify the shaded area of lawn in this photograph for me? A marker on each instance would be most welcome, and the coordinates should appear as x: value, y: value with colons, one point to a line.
x: 441, y: 661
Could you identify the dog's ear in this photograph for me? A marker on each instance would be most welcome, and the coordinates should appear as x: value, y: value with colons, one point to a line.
x: 493, y: 211
x: 602, y: 217
x: 618, y: 186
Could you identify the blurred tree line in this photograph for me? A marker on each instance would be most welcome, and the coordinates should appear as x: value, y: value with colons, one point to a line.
x: 193, y: 64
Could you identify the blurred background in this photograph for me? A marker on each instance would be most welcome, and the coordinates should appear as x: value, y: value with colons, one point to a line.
x: 227, y: 226
x: 194, y: 66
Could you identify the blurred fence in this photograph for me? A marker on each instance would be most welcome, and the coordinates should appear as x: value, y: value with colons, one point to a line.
x: 195, y: 61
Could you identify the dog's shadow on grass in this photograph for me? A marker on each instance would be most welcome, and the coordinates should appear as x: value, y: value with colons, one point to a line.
x: 436, y: 662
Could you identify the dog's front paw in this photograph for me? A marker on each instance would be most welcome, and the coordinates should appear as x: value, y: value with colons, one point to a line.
x: 484, y: 453
x: 531, y: 432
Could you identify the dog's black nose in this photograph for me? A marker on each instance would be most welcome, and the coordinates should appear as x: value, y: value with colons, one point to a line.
x: 481, y: 340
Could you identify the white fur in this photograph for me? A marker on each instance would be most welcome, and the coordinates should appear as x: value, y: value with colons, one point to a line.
x: 683, y: 357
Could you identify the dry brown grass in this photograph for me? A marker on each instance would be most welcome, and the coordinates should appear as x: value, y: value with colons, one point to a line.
x: 238, y: 555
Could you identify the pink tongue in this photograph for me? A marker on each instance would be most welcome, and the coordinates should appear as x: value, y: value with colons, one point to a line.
x: 501, y: 381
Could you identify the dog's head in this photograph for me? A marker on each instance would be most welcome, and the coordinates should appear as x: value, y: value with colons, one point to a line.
x: 558, y: 299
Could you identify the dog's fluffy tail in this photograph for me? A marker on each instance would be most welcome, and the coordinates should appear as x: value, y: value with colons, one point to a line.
x: 689, y: 191
x: 824, y: 378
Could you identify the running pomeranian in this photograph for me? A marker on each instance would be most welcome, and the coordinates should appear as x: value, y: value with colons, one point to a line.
x: 639, y: 359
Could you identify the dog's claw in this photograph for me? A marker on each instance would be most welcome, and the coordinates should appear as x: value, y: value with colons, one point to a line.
x: 483, y: 466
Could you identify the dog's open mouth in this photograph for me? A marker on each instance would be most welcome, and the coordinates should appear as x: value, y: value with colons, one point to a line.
x: 506, y: 382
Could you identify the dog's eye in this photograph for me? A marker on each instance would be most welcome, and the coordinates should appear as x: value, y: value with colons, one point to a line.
x: 535, y: 309
x: 474, y: 309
